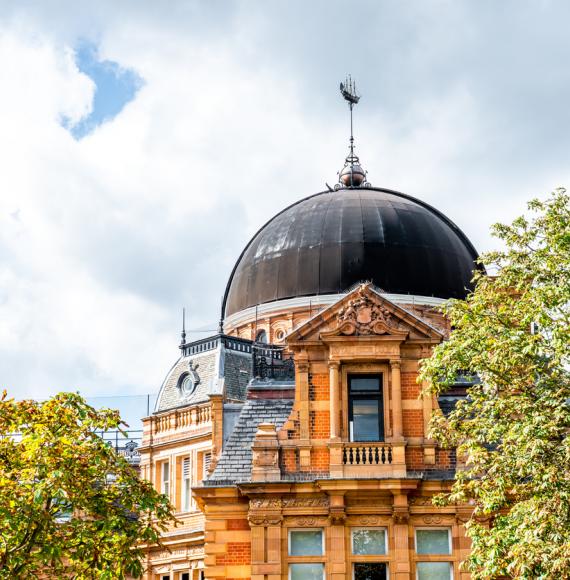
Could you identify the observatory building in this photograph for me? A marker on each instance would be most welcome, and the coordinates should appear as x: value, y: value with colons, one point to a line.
x: 294, y: 443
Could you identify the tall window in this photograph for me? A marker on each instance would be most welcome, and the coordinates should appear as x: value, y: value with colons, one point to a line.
x: 370, y: 544
x: 186, y: 498
x: 304, y: 546
x: 261, y: 337
x: 435, y: 542
x: 165, y: 478
x: 207, y: 461
x: 365, y: 408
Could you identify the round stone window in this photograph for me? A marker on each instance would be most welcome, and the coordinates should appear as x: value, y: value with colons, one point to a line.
x: 186, y: 384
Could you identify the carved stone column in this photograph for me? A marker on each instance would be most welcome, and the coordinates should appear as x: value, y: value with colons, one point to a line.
x: 302, y: 403
x: 217, y: 412
x: 400, y: 514
x: 337, y: 557
x: 265, y: 521
x: 397, y: 420
x: 334, y: 380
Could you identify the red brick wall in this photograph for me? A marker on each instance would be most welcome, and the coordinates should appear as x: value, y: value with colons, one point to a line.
x: 237, y: 553
x: 410, y: 388
x: 320, y: 459
x: 413, y: 422
x: 414, y: 458
x: 320, y: 424
x: 289, y: 461
x: 319, y: 389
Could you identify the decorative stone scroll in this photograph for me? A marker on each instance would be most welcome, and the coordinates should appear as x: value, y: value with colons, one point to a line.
x: 267, y: 520
x: 432, y: 519
x: 309, y: 522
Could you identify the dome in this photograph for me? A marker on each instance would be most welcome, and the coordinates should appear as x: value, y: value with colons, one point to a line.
x: 326, y: 243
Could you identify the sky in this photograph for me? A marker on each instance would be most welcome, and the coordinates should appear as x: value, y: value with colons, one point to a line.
x: 143, y: 143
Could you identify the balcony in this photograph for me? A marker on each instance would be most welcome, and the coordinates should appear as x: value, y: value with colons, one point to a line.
x: 366, y: 454
x: 125, y: 444
x: 365, y: 459
x: 272, y: 363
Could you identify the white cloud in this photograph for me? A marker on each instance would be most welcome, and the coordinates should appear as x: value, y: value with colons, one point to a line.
x: 103, y: 240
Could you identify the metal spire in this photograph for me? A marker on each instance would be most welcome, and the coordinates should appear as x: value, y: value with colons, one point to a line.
x: 183, y: 333
x: 221, y: 323
x: 352, y: 174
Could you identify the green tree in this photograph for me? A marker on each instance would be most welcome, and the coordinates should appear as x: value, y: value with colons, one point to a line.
x: 513, y: 332
x: 70, y: 506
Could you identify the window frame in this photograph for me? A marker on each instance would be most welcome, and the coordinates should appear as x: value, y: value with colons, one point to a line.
x: 434, y: 558
x: 451, y: 567
x: 289, y: 571
x: 434, y: 529
x: 386, y: 563
x: 206, y: 464
x: 378, y: 395
x: 186, y: 485
x: 165, y: 469
x: 321, y: 555
x: 372, y: 529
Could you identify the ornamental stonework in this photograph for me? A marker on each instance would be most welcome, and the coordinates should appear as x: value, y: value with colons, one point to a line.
x: 363, y: 316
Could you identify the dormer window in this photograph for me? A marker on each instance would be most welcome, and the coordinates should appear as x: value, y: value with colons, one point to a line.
x: 365, y: 408
x: 186, y: 384
x: 188, y: 381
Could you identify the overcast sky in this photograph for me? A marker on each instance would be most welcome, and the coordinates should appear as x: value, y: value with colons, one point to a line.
x: 142, y: 143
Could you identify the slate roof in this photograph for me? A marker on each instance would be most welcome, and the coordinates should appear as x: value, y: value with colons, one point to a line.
x: 235, y: 462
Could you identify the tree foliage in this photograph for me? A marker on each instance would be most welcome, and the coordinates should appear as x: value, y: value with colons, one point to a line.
x: 513, y: 332
x: 70, y: 506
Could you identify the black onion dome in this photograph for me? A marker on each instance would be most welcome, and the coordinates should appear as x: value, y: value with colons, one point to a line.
x: 329, y: 241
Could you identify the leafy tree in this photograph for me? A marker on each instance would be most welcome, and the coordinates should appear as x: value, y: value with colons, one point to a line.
x: 70, y: 506
x: 513, y: 332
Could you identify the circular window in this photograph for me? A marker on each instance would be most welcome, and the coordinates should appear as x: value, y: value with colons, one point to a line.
x: 279, y: 335
x: 186, y: 384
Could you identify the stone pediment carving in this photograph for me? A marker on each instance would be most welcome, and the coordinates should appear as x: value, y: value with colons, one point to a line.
x: 362, y: 316
x: 364, y: 313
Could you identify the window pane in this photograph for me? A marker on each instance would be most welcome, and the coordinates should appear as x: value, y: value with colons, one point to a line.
x: 434, y: 570
x: 365, y: 384
x: 375, y: 571
x: 365, y: 426
x: 306, y: 571
x: 366, y: 542
x: 432, y: 542
x: 306, y: 543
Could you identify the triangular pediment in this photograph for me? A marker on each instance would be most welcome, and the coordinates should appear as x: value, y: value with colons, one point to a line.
x: 364, y: 313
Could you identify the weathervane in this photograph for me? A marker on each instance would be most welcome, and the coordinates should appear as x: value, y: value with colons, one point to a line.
x: 352, y: 174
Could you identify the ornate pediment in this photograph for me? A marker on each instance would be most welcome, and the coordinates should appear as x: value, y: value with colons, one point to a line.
x: 364, y: 313
x: 362, y: 316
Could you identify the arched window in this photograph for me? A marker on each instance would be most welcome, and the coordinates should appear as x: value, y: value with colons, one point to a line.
x: 261, y: 337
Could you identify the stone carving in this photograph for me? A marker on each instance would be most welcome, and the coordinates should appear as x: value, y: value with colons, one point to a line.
x: 307, y: 522
x: 400, y: 516
x: 296, y: 502
x: 265, y: 503
x: 432, y: 519
x: 337, y: 518
x: 364, y: 316
x: 369, y: 521
x: 260, y: 520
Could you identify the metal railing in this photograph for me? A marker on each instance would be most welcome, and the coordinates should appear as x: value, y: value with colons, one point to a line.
x: 125, y: 444
x: 272, y: 362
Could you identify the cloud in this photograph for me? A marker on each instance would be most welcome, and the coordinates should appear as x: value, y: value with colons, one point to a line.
x: 105, y: 238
